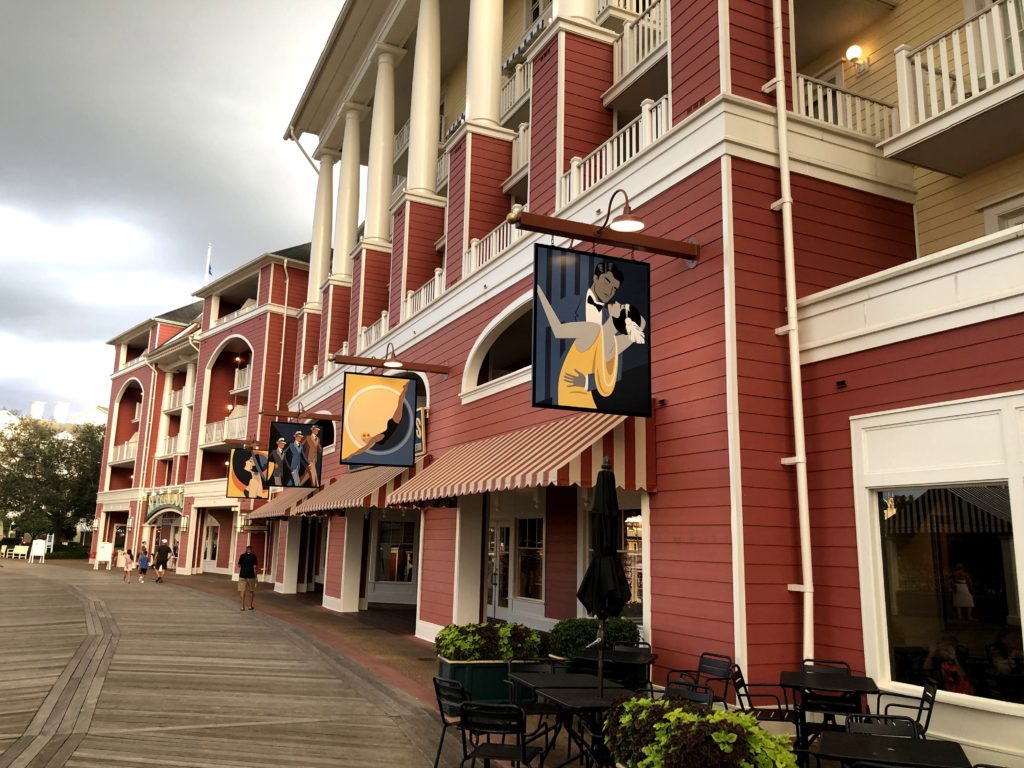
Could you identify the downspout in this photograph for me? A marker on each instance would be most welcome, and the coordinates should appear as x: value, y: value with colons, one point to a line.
x: 284, y: 328
x: 149, y: 434
x: 799, y: 460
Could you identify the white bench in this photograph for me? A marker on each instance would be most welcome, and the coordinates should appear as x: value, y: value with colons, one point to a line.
x: 19, y: 552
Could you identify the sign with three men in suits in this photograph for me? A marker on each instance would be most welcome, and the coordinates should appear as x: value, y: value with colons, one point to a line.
x: 295, y: 457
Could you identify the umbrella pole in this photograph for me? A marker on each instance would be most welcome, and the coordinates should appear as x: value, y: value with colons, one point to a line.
x: 600, y: 659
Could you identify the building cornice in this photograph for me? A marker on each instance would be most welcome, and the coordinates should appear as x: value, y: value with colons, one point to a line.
x: 262, y: 309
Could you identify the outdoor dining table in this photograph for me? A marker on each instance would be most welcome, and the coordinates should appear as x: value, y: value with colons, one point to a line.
x: 537, y: 680
x: 850, y: 748
x: 590, y: 707
x: 822, y: 682
x: 632, y: 664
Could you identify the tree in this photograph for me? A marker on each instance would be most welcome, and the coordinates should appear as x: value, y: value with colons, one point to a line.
x: 49, y: 477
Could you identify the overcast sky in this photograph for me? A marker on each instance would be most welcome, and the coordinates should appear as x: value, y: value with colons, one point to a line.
x: 134, y: 132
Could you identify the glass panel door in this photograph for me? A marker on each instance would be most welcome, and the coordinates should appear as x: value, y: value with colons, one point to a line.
x: 498, y: 544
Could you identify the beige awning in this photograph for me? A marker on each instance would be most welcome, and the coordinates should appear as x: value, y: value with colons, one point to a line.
x: 281, y: 504
x: 362, y: 488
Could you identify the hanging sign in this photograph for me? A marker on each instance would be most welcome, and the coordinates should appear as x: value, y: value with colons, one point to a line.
x: 378, y: 421
x: 247, y: 474
x: 295, y: 458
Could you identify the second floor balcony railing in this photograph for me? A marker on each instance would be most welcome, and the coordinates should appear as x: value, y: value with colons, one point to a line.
x: 369, y: 334
x: 248, y: 306
x: 640, y: 38
x: 427, y: 293
x: 823, y: 101
x: 442, y: 171
x: 243, y: 377
x: 169, y: 445
x: 521, y: 148
x: 401, y: 142
x: 307, y: 380
x: 397, y: 188
x: 983, y: 53
x: 232, y: 428
x: 516, y: 86
x: 651, y: 124
x: 489, y: 247
x: 633, y: 6
x: 175, y: 400
x: 126, y: 451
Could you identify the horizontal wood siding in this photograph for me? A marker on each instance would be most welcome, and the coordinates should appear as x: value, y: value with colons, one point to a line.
x: 490, y: 163
x: 340, y: 296
x: 544, y: 168
x: 438, y: 565
x: 455, y: 241
x: 560, y: 577
x: 264, y: 293
x: 426, y: 225
x: 376, y: 277
x: 973, y: 361
x: 695, y: 55
x: 310, y: 341
x: 335, y: 555
x: 355, y: 306
x: 753, y: 48
x: 395, y: 292
x: 588, y: 74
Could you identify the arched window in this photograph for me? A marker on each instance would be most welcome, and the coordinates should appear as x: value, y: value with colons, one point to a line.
x: 510, y: 352
x: 502, y: 356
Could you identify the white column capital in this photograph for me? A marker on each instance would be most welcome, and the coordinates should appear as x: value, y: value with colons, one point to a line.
x: 388, y: 52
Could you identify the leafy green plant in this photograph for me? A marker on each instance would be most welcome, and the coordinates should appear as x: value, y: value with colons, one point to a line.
x: 570, y: 636
x: 485, y: 642
x: 641, y: 733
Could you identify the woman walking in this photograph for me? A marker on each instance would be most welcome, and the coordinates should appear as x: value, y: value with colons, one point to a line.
x: 129, y: 564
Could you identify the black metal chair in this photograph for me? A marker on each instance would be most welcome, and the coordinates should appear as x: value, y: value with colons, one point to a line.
x: 682, y: 690
x: 450, y: 697
x: 481, y: 722
x: 773, y: 709
x: 714, y: 670
x: 896, y: 726
x: 525, y: 698
x: 918, y: 708
x: 632, y: 674
x: 830, y: 704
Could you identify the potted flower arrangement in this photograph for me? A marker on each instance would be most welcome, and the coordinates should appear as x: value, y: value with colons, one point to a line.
x: 642, y: 733
x: 477, y: 655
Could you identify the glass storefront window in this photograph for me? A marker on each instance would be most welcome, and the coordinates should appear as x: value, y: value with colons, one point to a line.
x: 631, y: 553
x: 395, y: 545
x: 951, y: 594
x: 530, y: 558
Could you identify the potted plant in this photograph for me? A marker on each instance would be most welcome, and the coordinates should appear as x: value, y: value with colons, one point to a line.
x: 477, y: 655
x: 642, y: 733
x: 570, y: 636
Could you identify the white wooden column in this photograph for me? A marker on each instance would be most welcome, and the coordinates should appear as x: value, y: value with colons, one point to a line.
x: 483, y: 62
x: 291, y: 529
x: 469, y: 523
x: 346, y: 215
x: 320, y: 245
x: 353, y: 560
x: 381, y: 161
x: 579, y: 10
x: 424, y: 117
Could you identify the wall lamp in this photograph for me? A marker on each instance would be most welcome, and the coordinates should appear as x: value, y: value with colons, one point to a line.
x: 390, y: 360
x: 855, y: 55
x: 625, y: 221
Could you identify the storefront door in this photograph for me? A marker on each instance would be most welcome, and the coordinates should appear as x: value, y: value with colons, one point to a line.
x: 211, y: 534
x: 499, y: 540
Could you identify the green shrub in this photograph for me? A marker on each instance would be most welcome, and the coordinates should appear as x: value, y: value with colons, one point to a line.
x: 641, y: 733
x: 70, y: 551
x: 570, y: 636
x: 487, y: 642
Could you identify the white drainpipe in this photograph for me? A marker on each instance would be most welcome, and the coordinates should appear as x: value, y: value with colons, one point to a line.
x: 799, y: 459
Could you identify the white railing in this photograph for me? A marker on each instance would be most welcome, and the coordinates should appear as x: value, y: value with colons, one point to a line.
x: 978, y: 55
x: 237, y: 313
x: 625, y: 144
x: 442, y: 171
x: 633, y: 6
x: 424, y: 295
x: 397, y: 188
x: 124, y: 452
x: 243, y: 377
x: 401, y: 139
x: 169, y: 445
x: 521, y: 148
x: 516, y: 86
x: 823, y: 101
x: 527, y: 40
x: 307, y: 380
x: 369, y: 334
x: 175, y: 399
x: 330, y: 366
x: 640, y: 38
x: 229, y: 429
x: 489, y: 247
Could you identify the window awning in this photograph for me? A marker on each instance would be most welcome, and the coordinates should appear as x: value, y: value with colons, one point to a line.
x: 566, y: 451
x: 281, y: 504
x: 363, y: 488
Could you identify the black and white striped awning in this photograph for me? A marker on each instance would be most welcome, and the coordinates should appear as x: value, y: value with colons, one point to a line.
x: 956, y: 509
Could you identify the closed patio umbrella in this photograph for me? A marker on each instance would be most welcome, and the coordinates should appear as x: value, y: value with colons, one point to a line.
x: 604, y: 590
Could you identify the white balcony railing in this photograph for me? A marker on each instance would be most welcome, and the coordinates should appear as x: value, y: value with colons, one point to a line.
x: 633, y: 6
x: 125, y: 451
x: 823, y: 101
x: 521, y: 148
x: 397, y: 188
x: 653, y: 122
x: 169, y: 445
x: 369, y: 335
x: 232, y: 428
x: 401, y: 139
x: 962, y: 64
x: 489, y: 247
x: 640, y: 38
x: 442, y: 171
x: 516, y: 86
x: 175, y: 399
x: 424, y: 295
x: 137, y: 413
x: 248, y: 306
x: 307, y: 380
x: 243, y: 377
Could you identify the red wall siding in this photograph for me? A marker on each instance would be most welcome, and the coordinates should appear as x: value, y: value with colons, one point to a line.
x: 695, y: 56
x: 455, y: 241
x: 395, y: 294
x: 544, y: 130
x: 438, y: 558
x: 338, y: 333
x: 426, y: 225
x: 490, y: 164
x: 376, y: 278
x: 335, y: 555
x: 588, y: 74
x: 354, y: 308
x: 753, y: 48
x: 310, y: 342
x: 560, y: 579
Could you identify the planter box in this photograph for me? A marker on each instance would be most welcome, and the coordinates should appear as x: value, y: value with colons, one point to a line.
x: 483, y: 680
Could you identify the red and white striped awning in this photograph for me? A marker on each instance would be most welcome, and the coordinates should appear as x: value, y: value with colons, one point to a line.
x: 563, y: 452
x: 363, y: 488
x: 281, y: 504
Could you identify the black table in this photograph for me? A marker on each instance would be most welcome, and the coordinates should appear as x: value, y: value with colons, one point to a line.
x: 537, y: 680
x: 630, y: 666
x: 851, y: 747
x: 821, y: 682
x: 586, y: 704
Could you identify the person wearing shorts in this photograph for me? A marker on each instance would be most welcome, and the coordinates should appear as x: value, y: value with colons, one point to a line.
x: 143, y: 566
x: 247, y: 578
x: 163, y: 553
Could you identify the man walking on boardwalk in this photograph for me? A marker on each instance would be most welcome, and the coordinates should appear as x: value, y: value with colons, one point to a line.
x: 247, y: 578
x: 163, y: 552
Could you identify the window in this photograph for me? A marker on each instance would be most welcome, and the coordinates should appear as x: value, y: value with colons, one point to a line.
x: 630, y: 549
x: 530, y: 558
x: 950, y: 586
x: 395, y: 546
x: 510, y: 352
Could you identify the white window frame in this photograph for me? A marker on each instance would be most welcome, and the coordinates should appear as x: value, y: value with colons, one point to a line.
x: 1004, y: 213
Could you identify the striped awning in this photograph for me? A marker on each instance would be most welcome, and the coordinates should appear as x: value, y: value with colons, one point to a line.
x: 363, y: 488
x: 565, y: 452
x: 281, y: 504
x: 955, y: 509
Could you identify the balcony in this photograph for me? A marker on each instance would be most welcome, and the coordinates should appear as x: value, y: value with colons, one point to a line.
x: 442, y: 172
x: 243, y: 378
x: 516, y: 185
x: 426, y: 294
x: 614, y: 14
x: 397, y: 188
x: 401, y: 142
x: 369, y: 335
x: 124, y: 453
x: 307, y: 380
x: 169, y: 446
x: 248, y: 306
x: 961, y: 94
x: 232, y: 428
x: 489, y: 247
x: 527, y: 40
x: 629, y: 141
x: 826, y: 103
x: 137, y: 413
x: 515, y: 91
x: 642, y: 40
x: 175, y: 400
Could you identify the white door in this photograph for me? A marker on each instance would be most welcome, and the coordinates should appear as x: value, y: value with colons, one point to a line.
x: 211, y: 540
x: 499, y: 545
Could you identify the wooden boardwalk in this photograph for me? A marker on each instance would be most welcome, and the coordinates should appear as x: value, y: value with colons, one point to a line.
x: 94, y: 672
